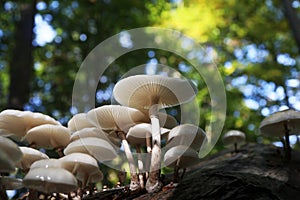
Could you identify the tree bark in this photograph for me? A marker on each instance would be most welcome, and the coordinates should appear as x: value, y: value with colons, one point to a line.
x: 21, y: 64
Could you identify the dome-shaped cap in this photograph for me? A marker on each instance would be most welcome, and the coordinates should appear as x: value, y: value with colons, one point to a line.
x: 78, y: 122
x: 234, y: 137
x: 30, y: 155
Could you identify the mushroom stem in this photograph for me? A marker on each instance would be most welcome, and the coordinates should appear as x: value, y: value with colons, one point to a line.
x: 176, y: 171
x: 183, y: 172
x: 140, y: 166
x: 235, y: 147
x: 153, y: 183
x: 134, y: 182
x: 287, y: 140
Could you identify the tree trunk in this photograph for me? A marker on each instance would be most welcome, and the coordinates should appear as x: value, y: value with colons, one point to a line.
x: 294, y: 21
x: 22, y: 61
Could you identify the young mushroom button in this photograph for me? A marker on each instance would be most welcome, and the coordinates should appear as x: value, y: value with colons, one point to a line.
x: 153, y: 92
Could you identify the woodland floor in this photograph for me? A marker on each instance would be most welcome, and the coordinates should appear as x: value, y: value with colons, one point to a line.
x: 256, y: 172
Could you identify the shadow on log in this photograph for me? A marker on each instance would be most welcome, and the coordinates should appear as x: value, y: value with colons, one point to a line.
x: 256, y: 172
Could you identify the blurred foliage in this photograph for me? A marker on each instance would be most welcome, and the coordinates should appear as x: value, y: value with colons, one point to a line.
x: 251, y: 43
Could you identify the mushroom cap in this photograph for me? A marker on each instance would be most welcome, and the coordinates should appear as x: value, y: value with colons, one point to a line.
x: 30, y: 155
x: 48, y: 136
x: 115, y: 117
x: 187, y: 156
x: 11, y: 149
x: 78, y: 122
x: 144, y: 91
x: 233, y: 136
x: 16, y: 123
x: 94, y: 132
x: 186, y: 135
x: 96, y: 147
x: 273, y: 125
x: 47, y: 163
x: 79, y: 163
x: 6, y: 164
x: 50, y: 180
x: 137, y: 134
x: 11, y: 183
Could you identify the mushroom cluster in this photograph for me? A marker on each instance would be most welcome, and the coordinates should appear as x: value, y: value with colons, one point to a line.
x: 133, y: 130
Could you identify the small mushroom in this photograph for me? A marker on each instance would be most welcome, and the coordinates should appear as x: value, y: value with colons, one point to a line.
x: 78, y: 122
x: 119, y: 119
x: 282, y: 124
x: 153, y: 92
x: 16, y: 123
x: 94, y: 132
x: 234, y: 137
x: 180, y: 157
x: 186, y: 135
x: 30, y: 155
x: 11, y: 149
x: 80, y: 164
x: 49, y: 136
x: 50, y: 180
x: 96, y: 147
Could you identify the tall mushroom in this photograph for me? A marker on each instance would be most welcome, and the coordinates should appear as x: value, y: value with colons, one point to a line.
x: 282, y: 124
x: 119, y: 119
x: 153, y: 92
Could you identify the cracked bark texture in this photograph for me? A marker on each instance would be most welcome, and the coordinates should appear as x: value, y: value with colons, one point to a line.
x: 257, y: 171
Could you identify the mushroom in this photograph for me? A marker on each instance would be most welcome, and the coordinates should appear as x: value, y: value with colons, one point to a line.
x: 282, y: 124
x: 81, y: 165
x: 96, y: 147
x: 187, y: 135
x: 94, y: 132
x: 153, y: 92
x: 119, y: 119
x: 78, y: 122
x: 11, y: 149
x: 50, y: 180
x: 139, y: 135
x: 30, y: 155
x: 16, y: 123
x: 234, y: 137
x: 49, y: 136
x: 180, y: 157
x: 11, y: 183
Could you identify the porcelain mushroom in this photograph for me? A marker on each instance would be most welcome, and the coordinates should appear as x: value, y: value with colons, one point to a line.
x: 234, y: 137
x: 49, y: 136
x: 30, y: 155
x: 94, y: 132
x: 96, y: 147
x: 180, y: 157
x: 11, y: 149
x: 119, y: 119
x: 50, y: 180
x: 282, y: 124
x: 81, y: 165
x: 78, y: 122
x: 153, y: 92
x: 16, y: 123
x: 140, y: 135
x: 186, y: 135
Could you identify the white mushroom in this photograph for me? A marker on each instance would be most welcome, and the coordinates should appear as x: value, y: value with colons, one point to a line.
x: 119, y: 119
x: 282, y: 124
x: 180, y: 157
x: 30, y: 155
x: 234, y: 137
x: 78, y: 122
x: 96, y: 147
x: 153, y: 92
